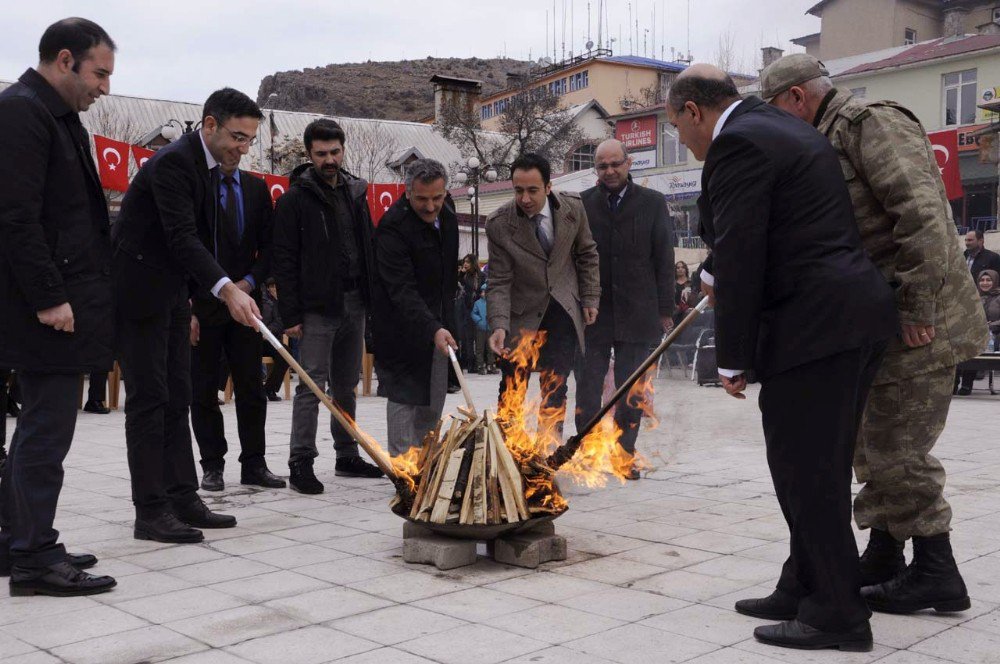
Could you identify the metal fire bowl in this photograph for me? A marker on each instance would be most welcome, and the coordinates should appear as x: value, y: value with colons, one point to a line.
x: 481, y: 532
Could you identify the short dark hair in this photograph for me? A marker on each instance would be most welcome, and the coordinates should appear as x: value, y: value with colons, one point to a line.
x: 323, y: 129
x: 531, y: 160
x: 229, y: 103
x: 979, y: 234
x: 78, y: 35
x: 705, y: 92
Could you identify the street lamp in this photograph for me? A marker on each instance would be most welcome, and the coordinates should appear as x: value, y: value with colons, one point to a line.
x: 474, y: 173
x: 172, y: 129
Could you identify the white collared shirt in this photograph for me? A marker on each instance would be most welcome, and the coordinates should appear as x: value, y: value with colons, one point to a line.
x: 212, y: 163
x: 707, y: 277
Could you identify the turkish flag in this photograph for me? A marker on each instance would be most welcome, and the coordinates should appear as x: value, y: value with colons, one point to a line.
x: 141, y: 155
x: 381, y: 197
x: 276, y: 184
x: 945, y: 144
x: 112, y: 163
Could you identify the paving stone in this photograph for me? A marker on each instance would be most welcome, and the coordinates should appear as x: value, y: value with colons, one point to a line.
x: 328, y: 604
x: 624, y: 603
x: 44, y: 632
x: 396, y: 625
x: 309, y: 645
x: 471, y: 643
x: 264, y: 587
x: 554, y: 624
x: 635, y: 643
x: 138, y: 645
x: 180, y: 604
x: 225, y: 628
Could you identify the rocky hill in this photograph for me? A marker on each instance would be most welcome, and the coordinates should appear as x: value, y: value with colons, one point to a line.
x: 391, y: 90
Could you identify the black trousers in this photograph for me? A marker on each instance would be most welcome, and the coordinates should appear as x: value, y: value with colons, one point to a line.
x: 811, y: 415
x: 557, y: 357
x: 590, y: 388
x: 33, y: 476
x: 276, y: 374
x: 156, y: 365
x: 243, y: 354
x: 98, y: 390
x: 4, y: 377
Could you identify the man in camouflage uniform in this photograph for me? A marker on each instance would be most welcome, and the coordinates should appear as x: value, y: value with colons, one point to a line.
x: 907, y: 229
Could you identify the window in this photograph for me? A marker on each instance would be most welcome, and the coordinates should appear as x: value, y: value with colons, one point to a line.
x: 674, y: 152
x: 959, y: 97
x: 578, y: 81
x: 996, y: 14
x: 909, y: 37
x: 860, y: 93
x: 582, y: 157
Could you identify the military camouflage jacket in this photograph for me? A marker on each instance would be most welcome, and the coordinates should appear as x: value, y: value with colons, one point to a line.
x: 907, y: 229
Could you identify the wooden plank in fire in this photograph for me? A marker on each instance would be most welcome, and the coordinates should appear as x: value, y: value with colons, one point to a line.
x: 511, y: 481
x: 442, y: 501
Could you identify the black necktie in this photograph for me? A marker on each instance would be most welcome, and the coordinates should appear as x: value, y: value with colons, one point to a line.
x: 232, y: 205
x: 613, y: 202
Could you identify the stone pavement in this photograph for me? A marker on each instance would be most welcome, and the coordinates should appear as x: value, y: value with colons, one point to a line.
x: 654, y: 566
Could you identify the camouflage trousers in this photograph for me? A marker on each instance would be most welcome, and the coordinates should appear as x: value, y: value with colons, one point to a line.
x: 903, y: 482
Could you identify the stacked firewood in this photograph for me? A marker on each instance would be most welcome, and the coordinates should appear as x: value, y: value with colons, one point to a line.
x: 465, y: 474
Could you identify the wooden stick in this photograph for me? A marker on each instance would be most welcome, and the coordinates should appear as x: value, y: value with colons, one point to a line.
x: 461, y: 380
x: 367, y: 443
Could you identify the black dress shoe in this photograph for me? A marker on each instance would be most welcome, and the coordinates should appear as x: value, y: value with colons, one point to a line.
x: 261, y: 476
x: 794, y: 634
x: 167, y: 528
x: 197, y: 515
x: 77, y: 560
x: 452, y: 389
x: 272, y: 395
x: 58, y: 580
x: 212, y: 481
x: 356, y: 467
x: 779, y: 605
x: 97, y: 407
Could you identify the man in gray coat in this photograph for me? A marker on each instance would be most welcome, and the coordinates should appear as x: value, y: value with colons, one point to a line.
x: 543, y: 277
x: 631, y: 227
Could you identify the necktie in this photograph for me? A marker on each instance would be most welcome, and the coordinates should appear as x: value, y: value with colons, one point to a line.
x: 232, y: 205
x: 613, y: 202
x: 542, y: 234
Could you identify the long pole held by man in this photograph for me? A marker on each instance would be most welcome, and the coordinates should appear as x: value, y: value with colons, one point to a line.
x: 799, y: 304
x: 55, y: 293
x: 171, y: 206
x: 904, y: 217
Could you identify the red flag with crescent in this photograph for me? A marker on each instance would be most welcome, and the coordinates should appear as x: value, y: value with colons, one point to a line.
x: 112, y: 162
x: 277, y: 185
x: 381, y: 197
x: 945, y: 144
x: 141, y: 155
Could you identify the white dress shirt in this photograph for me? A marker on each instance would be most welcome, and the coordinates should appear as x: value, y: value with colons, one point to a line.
x: 545, y: 221
x: 706, y: 277
x: 212, y: 163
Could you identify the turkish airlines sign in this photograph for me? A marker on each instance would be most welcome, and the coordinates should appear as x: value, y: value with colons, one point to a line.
x: 637, y: 132
x: 945, y: 144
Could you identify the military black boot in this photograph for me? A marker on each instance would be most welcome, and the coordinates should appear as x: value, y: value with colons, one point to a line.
x: 932, y: 581
x: 882, y: 560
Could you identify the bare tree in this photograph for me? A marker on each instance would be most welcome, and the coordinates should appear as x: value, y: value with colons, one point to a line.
x: 726, y: 57
x: 532, y: 121
x: 369, y: 148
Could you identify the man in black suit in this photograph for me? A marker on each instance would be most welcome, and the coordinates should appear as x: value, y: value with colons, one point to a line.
x: 977, y: 256
x: 241, y: 243
x: 159, y: 245
x: 799, y: 304
x: 55, y: 294
x: 631, y: 227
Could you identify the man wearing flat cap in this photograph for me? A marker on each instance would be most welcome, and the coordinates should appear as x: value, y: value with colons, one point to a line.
x: 906, y: 227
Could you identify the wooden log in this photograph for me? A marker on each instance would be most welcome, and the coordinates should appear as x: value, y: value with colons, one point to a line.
x: 442, y: 500
x: 509, y: 475
x: 478, y: 479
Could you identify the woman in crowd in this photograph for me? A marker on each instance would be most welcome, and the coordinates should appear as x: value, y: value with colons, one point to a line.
x: 682, y: 290
x: 989, y: 293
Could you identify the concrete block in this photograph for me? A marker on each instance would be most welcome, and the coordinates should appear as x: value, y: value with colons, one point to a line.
x: 442, y: 552
x: 528, y: 549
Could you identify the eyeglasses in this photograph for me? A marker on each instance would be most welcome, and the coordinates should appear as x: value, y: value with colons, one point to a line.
x: 611, y: 165
x: 241, y: 139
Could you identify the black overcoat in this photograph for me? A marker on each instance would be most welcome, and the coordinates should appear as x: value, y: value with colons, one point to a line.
x: 54, y: 235
x: 415, y: 286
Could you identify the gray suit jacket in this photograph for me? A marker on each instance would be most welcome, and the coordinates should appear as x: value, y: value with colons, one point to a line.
x: 522, y: 279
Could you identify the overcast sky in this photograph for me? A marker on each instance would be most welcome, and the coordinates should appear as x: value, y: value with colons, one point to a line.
x: 182, y: 50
